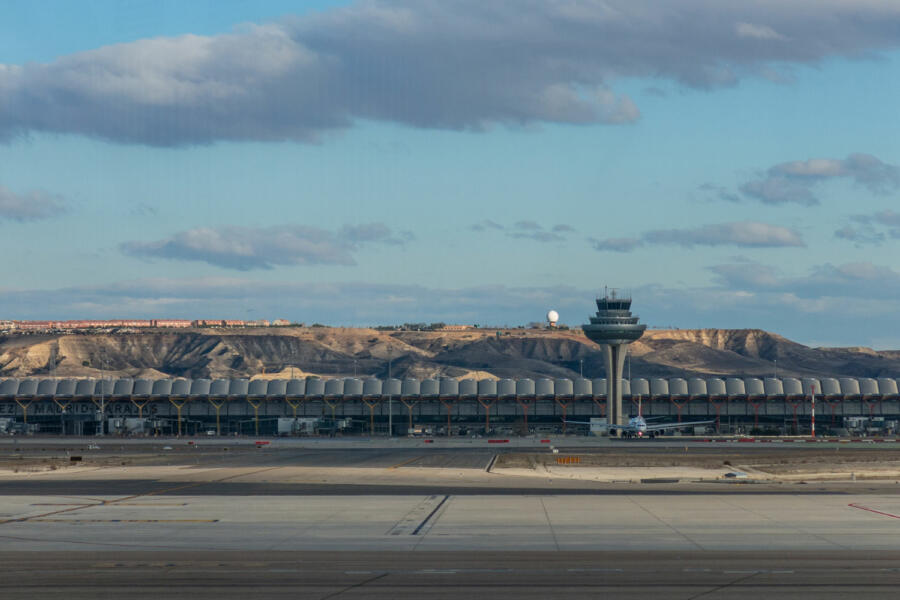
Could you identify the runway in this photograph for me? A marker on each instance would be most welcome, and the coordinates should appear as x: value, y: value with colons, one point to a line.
x: 436, y: 522
x: 329, y: 522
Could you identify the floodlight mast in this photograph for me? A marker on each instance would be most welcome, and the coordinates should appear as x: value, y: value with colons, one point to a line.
x: 614, y: 328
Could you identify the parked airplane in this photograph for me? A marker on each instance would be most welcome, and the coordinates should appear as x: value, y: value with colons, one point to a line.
x: 638, y: 426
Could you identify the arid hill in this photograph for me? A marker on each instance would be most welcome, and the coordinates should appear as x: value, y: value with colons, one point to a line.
x: 513, y: 353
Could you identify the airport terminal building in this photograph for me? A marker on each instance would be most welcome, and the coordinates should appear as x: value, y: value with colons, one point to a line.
x: 310, y: 406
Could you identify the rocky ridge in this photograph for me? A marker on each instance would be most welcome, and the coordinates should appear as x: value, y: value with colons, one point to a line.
x: 334, y: 352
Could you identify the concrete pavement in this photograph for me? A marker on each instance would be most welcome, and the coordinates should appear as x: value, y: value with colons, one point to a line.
x: 543, y: 522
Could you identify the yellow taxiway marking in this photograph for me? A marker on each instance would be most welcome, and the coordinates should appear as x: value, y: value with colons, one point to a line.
x: 406, y: 462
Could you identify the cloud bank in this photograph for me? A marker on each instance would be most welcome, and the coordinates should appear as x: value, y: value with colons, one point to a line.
x: 794, y: 181
x: 458, y: 65
x: 872, y: 228
x: 848, y: 304
x: 743, y: 234
x: 527, y: 230
x: 248, y: 248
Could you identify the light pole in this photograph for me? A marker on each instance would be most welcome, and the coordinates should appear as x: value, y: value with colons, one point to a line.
x: 581, y: 367
x: 390, y: 395
x: 776, y: 368
x: 813, y: 414
x: 102, y: 396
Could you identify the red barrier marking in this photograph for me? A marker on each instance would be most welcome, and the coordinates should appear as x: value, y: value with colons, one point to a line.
x: 498, y: 441
x: 872, y: 510
x: 746, y: 440
x: 262, y: 443
x: 190, y: 443
x: 545, y: 441
x: 429, y: 441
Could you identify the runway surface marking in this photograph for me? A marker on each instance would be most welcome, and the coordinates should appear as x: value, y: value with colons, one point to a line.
x: 413, y: 521
x: 549, y: 524
x: 665, y: 523
x: 742, y: 506
x: 872, y: 510
x: 125, y: 499
x: 354, y: 586
x: 727, y: 585
x: 431, y: 514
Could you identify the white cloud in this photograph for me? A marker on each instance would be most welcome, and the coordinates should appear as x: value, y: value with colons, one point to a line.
x: 794, y: 181
x: 759, y: 32
x: 247, y: 248
x: 30, y: 206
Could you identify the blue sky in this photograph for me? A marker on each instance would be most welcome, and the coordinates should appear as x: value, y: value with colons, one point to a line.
x: 379, y: 162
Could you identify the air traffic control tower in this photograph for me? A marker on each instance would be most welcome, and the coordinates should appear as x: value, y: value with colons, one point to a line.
x: 613, y: 328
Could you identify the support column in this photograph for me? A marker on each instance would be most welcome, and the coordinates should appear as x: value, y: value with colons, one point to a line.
x: 178, y: 403
x: 487, y: 404
x: 615, y: 363
x: 255, y: 404
x: 24, y: 404
x: 409, y: 408
x: 448, y: 404
x: 372, y: 403
x: 140, y: 406
x: 217, y: 404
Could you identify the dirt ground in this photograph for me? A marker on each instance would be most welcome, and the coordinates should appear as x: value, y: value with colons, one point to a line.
x: 774, y: 462
x: 835, y: 461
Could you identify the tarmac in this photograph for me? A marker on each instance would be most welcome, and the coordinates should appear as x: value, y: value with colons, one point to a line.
x: 416, y: 521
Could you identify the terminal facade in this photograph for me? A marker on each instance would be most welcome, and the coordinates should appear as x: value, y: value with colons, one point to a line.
x: 313, y: 405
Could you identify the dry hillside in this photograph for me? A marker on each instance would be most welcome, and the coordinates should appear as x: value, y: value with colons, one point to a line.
x: 478, y: 353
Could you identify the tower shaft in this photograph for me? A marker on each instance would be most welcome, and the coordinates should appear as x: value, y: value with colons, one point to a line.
x: 614, y: 355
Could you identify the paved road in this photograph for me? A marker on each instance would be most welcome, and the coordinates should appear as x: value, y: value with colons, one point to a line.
x: 501, y: 576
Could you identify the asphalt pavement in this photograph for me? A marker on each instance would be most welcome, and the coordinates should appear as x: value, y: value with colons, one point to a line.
x: 451, y: 575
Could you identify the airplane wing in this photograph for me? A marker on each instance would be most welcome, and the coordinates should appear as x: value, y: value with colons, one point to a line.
x: 626, y: 428
x: 664, y: 426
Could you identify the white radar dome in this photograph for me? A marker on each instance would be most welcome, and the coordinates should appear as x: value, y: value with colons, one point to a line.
x: 552, y: 316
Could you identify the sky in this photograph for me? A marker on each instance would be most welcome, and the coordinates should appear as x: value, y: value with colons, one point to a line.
x: 730, y: 165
